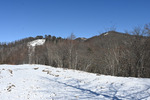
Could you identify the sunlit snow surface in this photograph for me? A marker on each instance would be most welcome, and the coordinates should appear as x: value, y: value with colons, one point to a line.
x: 39, y: 82
x: 106, y: 34
x: 36, y: 42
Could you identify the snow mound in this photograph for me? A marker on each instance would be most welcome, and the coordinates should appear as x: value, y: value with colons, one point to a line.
x: 39, y: 82
x: 36, y: 42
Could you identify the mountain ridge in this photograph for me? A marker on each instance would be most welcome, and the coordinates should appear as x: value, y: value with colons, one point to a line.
x: 110, y: 53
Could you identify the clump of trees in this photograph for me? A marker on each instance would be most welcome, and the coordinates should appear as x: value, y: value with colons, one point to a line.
x: 115, y: 54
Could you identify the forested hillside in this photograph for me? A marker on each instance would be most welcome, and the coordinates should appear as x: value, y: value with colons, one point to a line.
x: 110, y: 53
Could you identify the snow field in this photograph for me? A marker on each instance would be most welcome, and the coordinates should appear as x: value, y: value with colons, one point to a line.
x: 39, y: 82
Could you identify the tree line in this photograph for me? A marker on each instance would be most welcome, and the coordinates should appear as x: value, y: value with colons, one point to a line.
x: 111, y: 53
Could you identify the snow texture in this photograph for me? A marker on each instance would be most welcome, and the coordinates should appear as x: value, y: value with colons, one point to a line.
x: 39, y: 82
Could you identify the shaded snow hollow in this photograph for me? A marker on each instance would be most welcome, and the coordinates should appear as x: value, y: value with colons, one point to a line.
x: 40, y: 82
x: 36, y: 42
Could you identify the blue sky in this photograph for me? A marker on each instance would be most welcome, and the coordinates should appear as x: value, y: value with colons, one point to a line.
x: 84, y: 18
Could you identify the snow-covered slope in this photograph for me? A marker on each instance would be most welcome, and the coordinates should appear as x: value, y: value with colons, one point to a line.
x: 39, y: 82
x: 36, y: 42
x: 106, y: 34
x: 31, y: 48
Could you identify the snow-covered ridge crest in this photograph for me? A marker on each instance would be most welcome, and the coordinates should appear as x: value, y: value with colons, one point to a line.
x: 36, y: 42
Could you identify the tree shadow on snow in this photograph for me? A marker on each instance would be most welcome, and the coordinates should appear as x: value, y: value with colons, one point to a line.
x: 111, y: 93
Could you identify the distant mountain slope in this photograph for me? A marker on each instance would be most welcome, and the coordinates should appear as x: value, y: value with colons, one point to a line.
x: 111, y: 35
x: 39, y: 82
x: 110, y: 53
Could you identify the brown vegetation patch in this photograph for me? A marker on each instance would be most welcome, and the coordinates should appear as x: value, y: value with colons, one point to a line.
x: 36, y: 68
x: 10, y: 87
x: 47, y: 71
x: 56, y: 75
x: 11, y: 72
